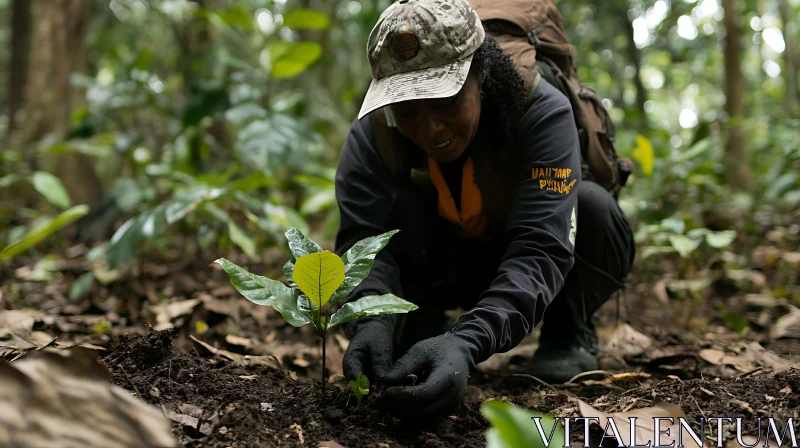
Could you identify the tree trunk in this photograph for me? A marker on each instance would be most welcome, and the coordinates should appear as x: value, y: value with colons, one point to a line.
x: 20, y: 48
x: 789, y: 59
x: 635, y: 56
x: 60, y: 28
x: 738, y: 167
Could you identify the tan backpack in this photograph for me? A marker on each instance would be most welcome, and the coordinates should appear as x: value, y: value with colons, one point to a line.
x: 532, y: 33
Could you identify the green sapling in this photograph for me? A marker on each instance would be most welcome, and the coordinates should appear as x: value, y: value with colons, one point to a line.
x: 318, y: 280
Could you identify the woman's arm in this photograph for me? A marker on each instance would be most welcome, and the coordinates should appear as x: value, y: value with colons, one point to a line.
x: 541, y: 229
x: 365, y: 193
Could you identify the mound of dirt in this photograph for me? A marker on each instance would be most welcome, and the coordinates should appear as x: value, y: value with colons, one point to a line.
x: 221, y: 404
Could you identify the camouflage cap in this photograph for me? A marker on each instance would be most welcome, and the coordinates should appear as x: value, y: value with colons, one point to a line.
x: 421, y: 49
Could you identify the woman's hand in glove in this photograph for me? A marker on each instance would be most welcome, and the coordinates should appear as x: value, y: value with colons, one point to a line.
x: 439, y: 367
x: 370, y: 348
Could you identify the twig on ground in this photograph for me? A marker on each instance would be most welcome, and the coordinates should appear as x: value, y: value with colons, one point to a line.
x: 27, y: 352
x: 631, y: 405
x: 746, y: 374
x: 698, y: 407
x: 129, y: 380
x: 531, y: 377
x: 591, y: 372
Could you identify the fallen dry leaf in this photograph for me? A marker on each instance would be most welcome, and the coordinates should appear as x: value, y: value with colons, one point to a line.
x: 183, y: 419
x: 67, y: 396
x: 190, y: 409
x: 329, y: 444
x: 19, y: 321
x: 167, y: 312
x: 240, y: 341
x: 750, y: 356
x: 243, y: 360
x: 625, y: 341
x: 644, y: 431
x: 301, y: 363
x: 742, y: 405
x: 754, y: 278
x: 763, y: 301
x: 628, y: 378
x: 299, y: 431
x: 787, y: 326
x: 229, y: 307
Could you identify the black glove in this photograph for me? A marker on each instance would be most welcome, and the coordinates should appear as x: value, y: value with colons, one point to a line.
x: 441, y: 366
x: 370, y: 348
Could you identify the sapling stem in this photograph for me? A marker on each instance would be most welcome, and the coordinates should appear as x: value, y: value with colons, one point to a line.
x: 323, y: 368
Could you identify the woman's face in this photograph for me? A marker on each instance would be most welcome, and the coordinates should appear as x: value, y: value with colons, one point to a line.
x: 442, y: 127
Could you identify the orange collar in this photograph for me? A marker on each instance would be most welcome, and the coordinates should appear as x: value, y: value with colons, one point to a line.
x: 471, y: 218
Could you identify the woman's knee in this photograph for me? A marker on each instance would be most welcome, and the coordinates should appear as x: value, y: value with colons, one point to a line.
x: 604, y: 236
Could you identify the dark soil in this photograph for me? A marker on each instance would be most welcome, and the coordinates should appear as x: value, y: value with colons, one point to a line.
x: 260, y: 406
x: 270, y: 409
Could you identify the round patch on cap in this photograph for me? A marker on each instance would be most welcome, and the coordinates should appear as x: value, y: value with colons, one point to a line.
x: 404, y: 45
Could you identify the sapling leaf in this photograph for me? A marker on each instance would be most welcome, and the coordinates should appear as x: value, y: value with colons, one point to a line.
x: 358, y: 263
x: 288, y: 271
x: 360, y: 386
x: 299, y: 244
x: 264, y: 291
x: 371, y: 306
x: 319, y: 275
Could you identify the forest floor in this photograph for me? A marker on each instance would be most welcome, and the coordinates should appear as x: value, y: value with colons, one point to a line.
x: 723, y: 341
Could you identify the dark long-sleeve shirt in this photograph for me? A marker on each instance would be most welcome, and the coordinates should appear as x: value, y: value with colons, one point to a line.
x: 540, y: 228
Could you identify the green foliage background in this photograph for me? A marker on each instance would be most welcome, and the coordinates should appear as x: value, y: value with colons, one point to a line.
x: 222, y: 120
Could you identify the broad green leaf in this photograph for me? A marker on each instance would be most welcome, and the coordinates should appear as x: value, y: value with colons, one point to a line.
x: 360, y: 386
x: 721, y: 239
x: 181, y: 206
x: 51, y: 188
x: 358, y: 263
x: 264, y: 291
x: 649, y: 251
x: 43, y: 230
x: 300, y: 245
x: 674, y: 225
x: 125, y: 241
x: 81, y: 286
x: 697, y: 233
x: 515, y: 427
x: 241, y: 239
x: 684, y: 245
x: 237, y: 235
x: 319, y: 201
x: 237, y: 16
x: 643, y: 153
x: 245, y: 113
x: 9, y: 179
x: 296, y: 59
x: 371, y: 306
x: 276, y: 143
x: 319, y: 275
x: 305, y: 19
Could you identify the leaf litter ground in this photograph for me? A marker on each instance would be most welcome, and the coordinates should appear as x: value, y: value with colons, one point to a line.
x: 248, y: 379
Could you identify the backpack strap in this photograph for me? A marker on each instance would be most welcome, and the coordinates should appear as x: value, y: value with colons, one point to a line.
x: 396, y: 151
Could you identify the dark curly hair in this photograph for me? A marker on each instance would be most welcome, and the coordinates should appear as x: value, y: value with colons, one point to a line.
x: 503, y: 91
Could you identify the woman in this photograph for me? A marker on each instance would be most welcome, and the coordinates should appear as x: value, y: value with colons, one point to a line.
x: 488, y: 198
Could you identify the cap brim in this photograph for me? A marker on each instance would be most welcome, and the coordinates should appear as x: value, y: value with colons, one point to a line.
x: 437, y: 82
